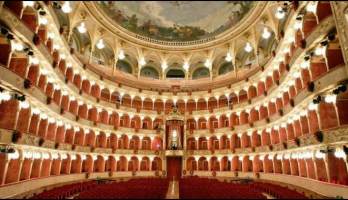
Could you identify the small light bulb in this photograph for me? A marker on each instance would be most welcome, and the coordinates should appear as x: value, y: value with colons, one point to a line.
x: 121, y: 55
x: 100, y: 44
x: 266, y: 34
x: 228, y: 57
x: 164, y: 65
x: 142, y: 62
x: 248, y: 48
x: 280, y: 14
x: 186, y: 66
x: 28, y: 3
x: 66, y: 7
x: 82, y: 28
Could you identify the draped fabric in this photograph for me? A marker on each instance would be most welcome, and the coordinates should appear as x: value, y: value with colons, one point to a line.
x: 177, y: 125
x: 174, y: 167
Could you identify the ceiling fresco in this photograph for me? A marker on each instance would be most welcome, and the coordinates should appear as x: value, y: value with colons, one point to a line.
x: 176, y: 20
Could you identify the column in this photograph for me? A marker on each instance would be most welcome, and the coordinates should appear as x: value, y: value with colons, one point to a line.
x: 20, y: 168
x: 315, y: 168
x: 326, y: 160
x: 4, y: 174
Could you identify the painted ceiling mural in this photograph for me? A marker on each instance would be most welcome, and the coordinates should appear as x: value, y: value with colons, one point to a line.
x: 176, y: 20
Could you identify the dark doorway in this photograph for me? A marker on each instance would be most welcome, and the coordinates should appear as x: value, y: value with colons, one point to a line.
x: 174, y: 165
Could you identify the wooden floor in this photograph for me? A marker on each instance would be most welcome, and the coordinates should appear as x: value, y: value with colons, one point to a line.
x: 173, y: 190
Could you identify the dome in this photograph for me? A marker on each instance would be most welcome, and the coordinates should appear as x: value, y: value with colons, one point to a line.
x: 177, y: 20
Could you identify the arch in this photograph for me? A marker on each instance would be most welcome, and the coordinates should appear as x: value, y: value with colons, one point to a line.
x: 150, y: 72
x: 124, y: 66
x: 201, y: 72
x: 203, y: 164
x: 225, y: 68
x: 175, y: 73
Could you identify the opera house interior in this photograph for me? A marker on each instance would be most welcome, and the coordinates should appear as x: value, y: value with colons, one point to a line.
x: 173, y: 99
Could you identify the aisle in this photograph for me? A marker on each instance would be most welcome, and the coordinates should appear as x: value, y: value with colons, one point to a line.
x: 173, y: 190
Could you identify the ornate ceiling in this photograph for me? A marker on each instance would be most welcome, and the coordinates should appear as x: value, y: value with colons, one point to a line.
x: 176, y: 20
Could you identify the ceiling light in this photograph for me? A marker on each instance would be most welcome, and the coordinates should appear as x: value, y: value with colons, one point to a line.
x: 33, y: 60
x: 280, y: 14
x: 5, y: 96
x: 100, y: 44
x: 50, y: 35
x: 186, y: 66
x: 228, y: 57
x: 121, y: 55
x: 82, y: 28
x: 312, y: 106
x: 266, y: 34
x: 305, y: 64
x: 298, y: 24
x: 248, y: 48
x: 142, y: 61
x: 207, y: 63
x: 66, y: 7
x: 17, y: 46
x: 330, y: 99
x: 43, y: 20
x: 311, y: 7
x: 319, y: 51
x: 24, y: 104
x: 164, y: 65
x: 28, y: 3
x: 339, y: 153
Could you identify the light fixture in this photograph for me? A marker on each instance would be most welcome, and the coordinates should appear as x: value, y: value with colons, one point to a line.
x: 82, y: 28
x: 186, y: 66
x: 17, y: 46
x: 280, y: 14
x: 298, y: 24
x: 100, y: 44
x: 319, y: 155
x: 121, y: 55
x: 305, y: 64
x: 51, y: 35
x: 248, y: 48
x: 175, y: 133
x: 266, y: 34
x: 14, y: 155
x: 228, y: 57
x: 24, y: 105
x: 37, y: 155
x: 339, y: 153
x: 330, y: 99
x: 43, y: 20
x: 164, y: 65
x: 28, y: 3
x: 63, y: 156
x: 33, y: 60
x: 312, y: 106
x: 311, y: 7
x: 142, y: 61
x: 319, y: 51
x: 207, y: 63
x: 66, y: 8
x: 5, y: 96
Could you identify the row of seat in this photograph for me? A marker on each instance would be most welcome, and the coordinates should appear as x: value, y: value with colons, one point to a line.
x: 65, y: 191
x: 204, y: 188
